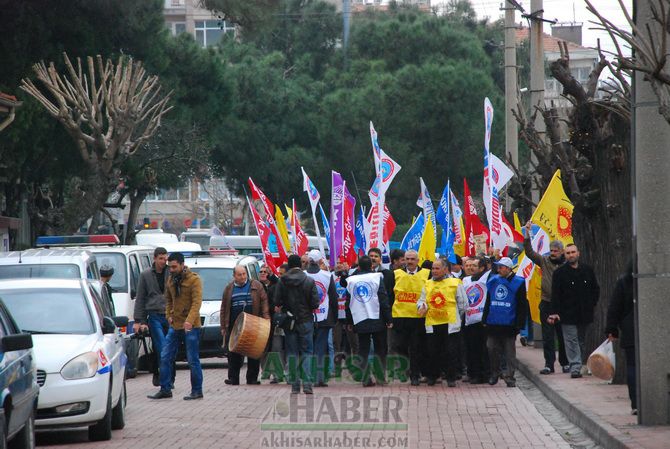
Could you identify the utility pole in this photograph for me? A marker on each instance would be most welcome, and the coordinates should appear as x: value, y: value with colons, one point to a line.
x: 511, y: 129
x: 651, y: 239
x: 536, y: 69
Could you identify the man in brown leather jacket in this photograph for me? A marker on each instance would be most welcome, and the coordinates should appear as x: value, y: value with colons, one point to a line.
x: 242, y: 295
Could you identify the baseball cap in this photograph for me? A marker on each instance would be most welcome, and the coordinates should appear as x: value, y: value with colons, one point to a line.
x: 315, y: 255
x: 506, y: 262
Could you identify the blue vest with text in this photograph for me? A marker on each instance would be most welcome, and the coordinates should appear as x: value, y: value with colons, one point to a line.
x: 502, y: 298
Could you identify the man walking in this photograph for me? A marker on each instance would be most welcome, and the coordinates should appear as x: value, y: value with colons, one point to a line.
x: 296, y: 293
x: 149, y: 310
x: 325, y: 313
x: 574, y: 295
x: 242, y: 295
x: 504, y: 315
x: 183, y: 298
x: 369, y: 310
x: 446, y: 301
x: 409, y: 333
x: 474, y: 332
x: 550, y: 333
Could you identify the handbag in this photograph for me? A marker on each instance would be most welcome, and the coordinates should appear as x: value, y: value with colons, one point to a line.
x: 284, y: 320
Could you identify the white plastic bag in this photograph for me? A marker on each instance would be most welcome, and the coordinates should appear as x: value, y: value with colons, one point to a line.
x: 602, y: 361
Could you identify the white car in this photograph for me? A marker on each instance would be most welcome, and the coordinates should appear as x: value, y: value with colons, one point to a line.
x: 78, y: 351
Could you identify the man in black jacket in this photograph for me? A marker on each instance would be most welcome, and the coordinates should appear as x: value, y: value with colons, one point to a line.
x: 369, y: 310
x: 620, y: 315
x: 296, y: 293
x: 574, y: 295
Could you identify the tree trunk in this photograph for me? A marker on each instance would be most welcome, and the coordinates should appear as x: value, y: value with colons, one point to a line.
x: 136, y: 200
x: 602, y: 222
x: 85, y: 198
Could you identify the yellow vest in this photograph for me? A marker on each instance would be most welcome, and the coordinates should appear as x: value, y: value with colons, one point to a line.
x: 441, y: 301
x: 407, y: 292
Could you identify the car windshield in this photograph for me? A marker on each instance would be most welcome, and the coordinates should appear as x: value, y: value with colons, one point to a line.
x: 202, y: 240
x: 214, y: 280
x: 54, y: 270
x: 49, y: 311
x: 119, y: 281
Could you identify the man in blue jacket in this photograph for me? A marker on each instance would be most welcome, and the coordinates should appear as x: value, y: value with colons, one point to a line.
x: 505, y: 313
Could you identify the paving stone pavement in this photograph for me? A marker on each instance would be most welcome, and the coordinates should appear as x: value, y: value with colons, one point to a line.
x: 468, y: 416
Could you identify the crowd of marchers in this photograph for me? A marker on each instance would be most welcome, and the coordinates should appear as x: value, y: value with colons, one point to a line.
x: 415, y: 321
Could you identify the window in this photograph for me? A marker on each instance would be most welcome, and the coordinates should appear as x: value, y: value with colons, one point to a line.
x: 134, y: 273
x: 214, y: 280
x: 40, y: 313
x: 209, y: 32
x: 56, y: 271
x: 178, y: 194
x: 119, y: 281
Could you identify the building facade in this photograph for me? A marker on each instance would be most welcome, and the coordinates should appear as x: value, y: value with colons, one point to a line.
x: 185, y: 16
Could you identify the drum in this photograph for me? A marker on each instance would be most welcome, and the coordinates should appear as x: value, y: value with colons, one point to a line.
x: 249, y: 335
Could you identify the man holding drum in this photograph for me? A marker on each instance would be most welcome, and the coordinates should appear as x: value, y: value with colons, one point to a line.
x: 242, y: 295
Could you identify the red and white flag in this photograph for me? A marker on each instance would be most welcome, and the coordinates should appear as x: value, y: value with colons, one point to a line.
x: 264, y: 234
x: 300, y: 238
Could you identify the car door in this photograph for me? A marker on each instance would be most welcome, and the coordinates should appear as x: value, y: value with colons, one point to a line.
x: 111, y: 345
x: 18, y: 369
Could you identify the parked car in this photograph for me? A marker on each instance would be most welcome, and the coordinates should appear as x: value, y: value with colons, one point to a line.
x: 216, y: 272
x: 64, y: 263
x: 18, y: 383
x: 78, y: 351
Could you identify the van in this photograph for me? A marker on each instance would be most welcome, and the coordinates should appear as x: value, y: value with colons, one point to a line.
x: 251, y: 244
x: 216, y: 272
x: 64, y: 263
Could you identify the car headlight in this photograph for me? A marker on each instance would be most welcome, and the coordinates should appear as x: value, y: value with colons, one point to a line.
x: 81, y: 367
x: 215, y: 318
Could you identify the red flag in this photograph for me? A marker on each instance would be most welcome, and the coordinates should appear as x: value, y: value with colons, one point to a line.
x: 301, y: 243
x: 473, y: 226
x: 264, y: 234
x: 389, y: 224
x: 511, y: 234
x: 348, y: 251
x: 257, y: 194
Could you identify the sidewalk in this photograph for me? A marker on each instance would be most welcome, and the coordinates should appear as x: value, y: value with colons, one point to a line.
x: 600, y: 409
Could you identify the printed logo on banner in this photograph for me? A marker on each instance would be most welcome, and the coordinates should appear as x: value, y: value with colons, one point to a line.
x: 387, y: 169
x: 363, y: 292
x: 313, y: 193
x: 338, y: 195
x: 438, y: 300
x: 323, y: 293
x: 564, y: 222
x: 495, y: 175
x: 501, y: 293
x: 475, y: 294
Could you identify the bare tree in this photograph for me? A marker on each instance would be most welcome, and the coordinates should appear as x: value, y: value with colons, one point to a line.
x: 590, y: 143
x: 649, y: 45
x: 109, y: 110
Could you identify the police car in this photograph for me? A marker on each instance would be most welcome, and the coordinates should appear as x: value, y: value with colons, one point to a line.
x: 78, y: 351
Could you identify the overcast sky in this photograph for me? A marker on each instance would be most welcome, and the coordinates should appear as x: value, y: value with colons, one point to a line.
x: 564, y: 11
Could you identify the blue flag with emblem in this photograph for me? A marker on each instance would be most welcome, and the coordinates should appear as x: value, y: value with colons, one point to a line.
x: 443, y: 217
x: 326, y: 225
x: 359, y: 232
x: 412, y: 239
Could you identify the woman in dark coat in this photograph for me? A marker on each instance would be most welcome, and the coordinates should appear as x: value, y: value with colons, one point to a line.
x: 620, y: 316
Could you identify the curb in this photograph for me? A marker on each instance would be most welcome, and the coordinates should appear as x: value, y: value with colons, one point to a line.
x: 601, y: 432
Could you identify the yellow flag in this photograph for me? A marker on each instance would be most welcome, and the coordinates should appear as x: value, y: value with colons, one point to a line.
x: 554, y: 212
x: 517, y: 223
x: 554, y: 216
x: 281, y: 226
x: 460, y: 243
x: 428, y: 243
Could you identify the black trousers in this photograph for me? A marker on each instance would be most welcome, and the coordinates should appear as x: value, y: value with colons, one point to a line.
x: 235, y: 362
x: 380, y: 351
x: 631, y: 375
x: 443, y: 353
x: 409, y: 340
x: 551, y: 333
x: 477, y: 354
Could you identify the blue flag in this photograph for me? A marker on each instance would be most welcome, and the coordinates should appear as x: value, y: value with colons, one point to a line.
x: 326, y: 225
x: 412, y: 239
x: 359, y: 232
x: 443, y: 216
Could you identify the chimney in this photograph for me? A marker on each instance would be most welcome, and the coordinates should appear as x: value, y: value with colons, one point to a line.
x: 571, y: 32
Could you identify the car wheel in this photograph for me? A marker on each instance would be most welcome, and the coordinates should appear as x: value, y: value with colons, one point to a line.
x: 25, y: 439
x: 119, y: 412
x: 102, y: 430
